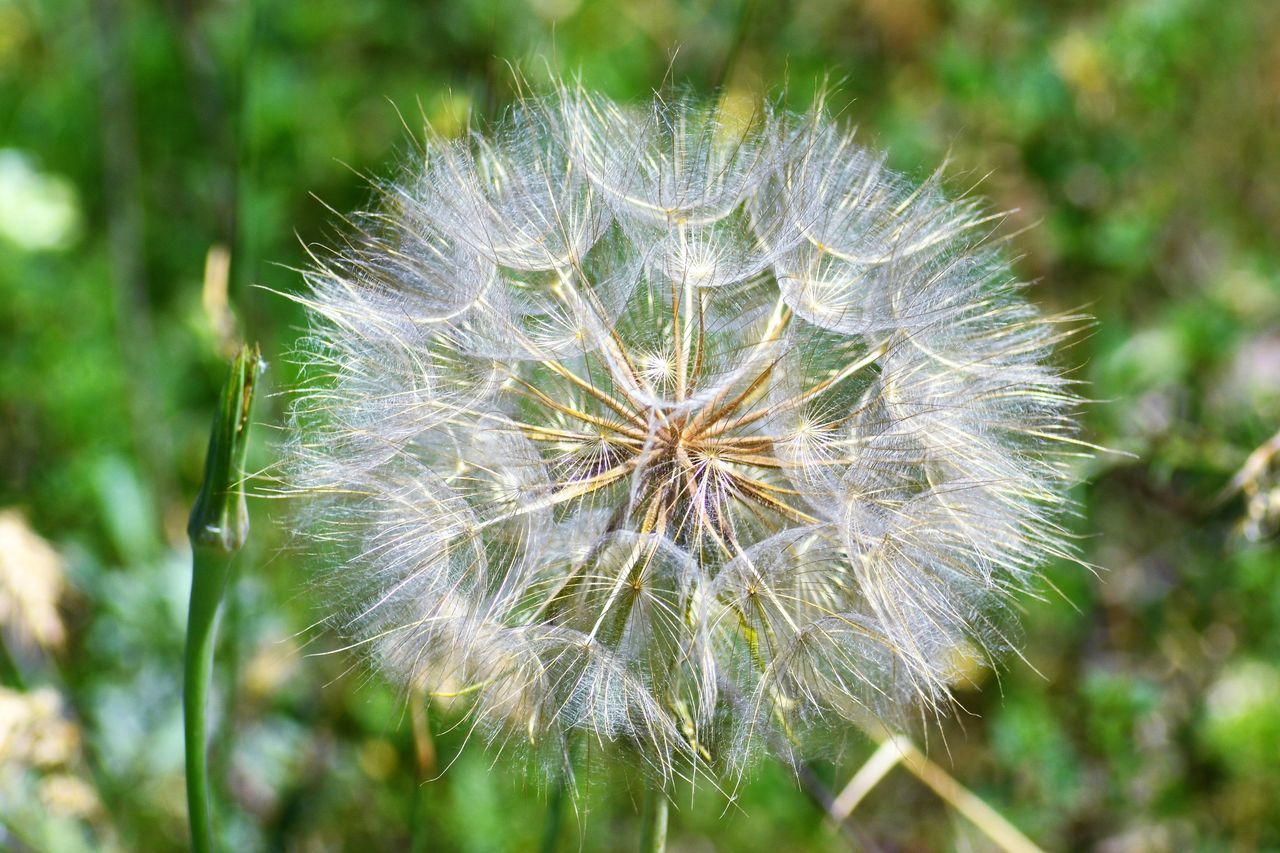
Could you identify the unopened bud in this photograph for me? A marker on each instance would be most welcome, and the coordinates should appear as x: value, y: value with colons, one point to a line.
x: 219, y: 518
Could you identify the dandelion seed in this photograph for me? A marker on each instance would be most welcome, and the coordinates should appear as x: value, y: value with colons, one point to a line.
x: 684, y: 436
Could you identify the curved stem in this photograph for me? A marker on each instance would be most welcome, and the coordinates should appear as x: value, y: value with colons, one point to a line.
x: 210, y: 569
x: 653, y: 838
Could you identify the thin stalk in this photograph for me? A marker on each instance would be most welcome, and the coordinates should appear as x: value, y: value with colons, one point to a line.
x: 555, y: 814
x: 899, y: 749
x: 419, y: 830
x: 424, y: 749
x: 993, y: 824
x: 218, y: 527
x: 10, y: 669
x: 653, y: 837
x: 210, y: 569
x: 885, y: 758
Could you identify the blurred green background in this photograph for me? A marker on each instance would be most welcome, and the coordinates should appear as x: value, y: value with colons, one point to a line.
x: 144, y: 143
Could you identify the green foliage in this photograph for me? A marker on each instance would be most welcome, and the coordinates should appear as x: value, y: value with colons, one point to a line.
x: 1139, y: 137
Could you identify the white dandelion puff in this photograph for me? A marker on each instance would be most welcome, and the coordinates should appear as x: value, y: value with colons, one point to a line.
x: 687, y: 437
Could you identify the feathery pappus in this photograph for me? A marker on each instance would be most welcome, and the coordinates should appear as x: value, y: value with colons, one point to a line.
x: 687, y: 434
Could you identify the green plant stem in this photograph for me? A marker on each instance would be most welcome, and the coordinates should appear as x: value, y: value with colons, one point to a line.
x: 217, y: 528
x: 653, y: 838
x: 425, y: 764
x: 419, y: 831
x: 10, y: 669
x: 555, y: 810
x: 210, y: 570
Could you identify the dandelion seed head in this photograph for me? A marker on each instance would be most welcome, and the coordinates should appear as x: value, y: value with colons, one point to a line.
x: 685, y: 436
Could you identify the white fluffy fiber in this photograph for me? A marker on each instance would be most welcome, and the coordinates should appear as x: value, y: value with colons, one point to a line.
x: 685, y: 433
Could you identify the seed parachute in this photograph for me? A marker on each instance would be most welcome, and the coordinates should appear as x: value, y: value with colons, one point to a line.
x: 688, y: 434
